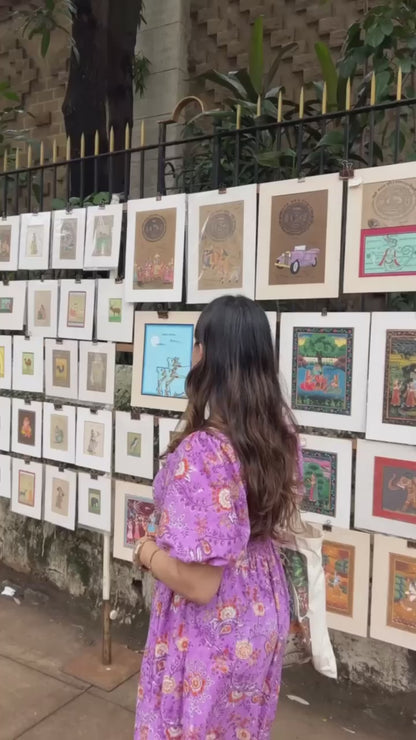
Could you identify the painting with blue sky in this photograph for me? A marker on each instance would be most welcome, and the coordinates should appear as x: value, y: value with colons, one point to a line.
x: 167, y: 359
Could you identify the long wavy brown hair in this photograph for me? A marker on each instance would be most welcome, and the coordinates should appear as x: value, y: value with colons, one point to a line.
x: 237, y: 381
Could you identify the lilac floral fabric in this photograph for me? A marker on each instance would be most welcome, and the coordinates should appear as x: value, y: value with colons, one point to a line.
x: 212, y: 672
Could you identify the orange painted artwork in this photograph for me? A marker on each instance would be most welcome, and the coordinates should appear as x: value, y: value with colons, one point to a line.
x: 338, y: 562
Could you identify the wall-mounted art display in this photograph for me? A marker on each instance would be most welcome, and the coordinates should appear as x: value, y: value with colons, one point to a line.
x: 114, y: 316
x: 5, y: 419
x: 9, y: 243
x: 221, y: 257
x: 42, y: 308
x: 385, y: 499
x: 28, y: 364
x: 5, y: 476
x: 27, y: 488
x: 68, y: 237
x: 61, y: 368
x: 27, y: 427
x: 12, y: 305
x: 94, y: 439
x: 299, y: 238
x: 35, y: 231
x: 59, y: 432
x: 102, y: 241
x: 94, y: 502
x: 162, y: 359
x: 391, y: 412
x: 134, y: 439
x: 155, y: 249
x: 76, y: 309
x: 381, y: 230
x: 97, y: 372
x: 327, y: 466
x: 5, y: 362
x: 133, y: 507
x: 60, y: 496
x: 167, y: 429
x: 323, y: 365
x: 346, y: 561
x: 393, y: 603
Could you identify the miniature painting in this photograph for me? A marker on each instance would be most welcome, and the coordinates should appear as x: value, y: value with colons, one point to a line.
x: 9, y: 242
x: 5, y: 416
x: 102, y: 242
x: 35, y: 238
x: 77, y: 301
x: 60, y: 496
x: 26, y: 493
x: 137, y: 514
x: 320, y: 482
x: 6, y: 305
x: 5, y: 476
x: 103, y: 235
x: 12, y: 305
x: 59, y: 432
x: 42, y: 314
x: 94, y: 501
x: 5, y: 361
x: 27, y: 487
x: 134, y: 448
x: 401, y: 612
x: 327, y: 470
x: 400, y: 378
x: 154, y: 254
x: 2, y: 361
x: 28, y: 363
x: 395, y: 489
x: 114, y: 316
x: 94, y: 439
x: 134, y: 444
x: 61, y: 368
x: 338, y: 563
x: 5, y: 242
x: 97, y: 372
x: 115, y: 308
x: 26, y: 438
x: 221, y: 246
x: 133, y: 508
x: 68, y: 239
x: 26, y: 434
x: 42, y: 308
x: 167, y: 359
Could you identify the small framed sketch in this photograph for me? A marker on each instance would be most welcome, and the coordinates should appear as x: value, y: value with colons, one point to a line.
x: 42, y: 308
x: 97, y: 362
x: 221, y: 256
x: 94, y: 502
x: 134, y: 445
x: 28, y: 364
x: 167, y: 429
x: 155, y: 249
x: 61, y: 368
x: 299, y: 238
x: 76, y: 309
x: 9, y: 243
x: 385, y: 499
x: 327, y: 468
x: 34, y: 241
x: 346, y: 562
x: 5, y: 419
x: 5, y: 362
x: 5, y: 476
x: 68, y: 239
x: 27, y: 427
x: 102, y: 242
x: 27, y: 488
x: 323, y: 364
x: 114, y: 315
x: 60, y: 496
x: 12, y: 305
x: 94, y: 439
x: 381, y: 230
x: 59, y: 433
x: 133, y: 508
x: 162, y: 359
x: 391, y: 412
x: 393, y: 603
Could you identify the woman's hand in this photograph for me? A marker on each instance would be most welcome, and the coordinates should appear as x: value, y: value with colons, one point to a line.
x: 143, y: 551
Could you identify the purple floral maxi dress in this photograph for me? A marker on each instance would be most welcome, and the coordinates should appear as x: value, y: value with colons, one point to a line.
x: 212, y: 672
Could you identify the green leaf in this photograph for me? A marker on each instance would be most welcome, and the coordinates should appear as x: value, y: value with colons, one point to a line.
x: 100, y: 198
x: 375, y: 36
x: 46, y: 40
x: 10, y: 95
x: 332, y: 139
x: 256, y: 56
x: 243, y: 76
x: 386, y: 26
x: 276, y: 62
x: 228, y: 81
x: 329, y: 73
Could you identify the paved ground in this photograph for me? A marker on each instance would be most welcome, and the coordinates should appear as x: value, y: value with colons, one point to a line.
x: 39, y: 702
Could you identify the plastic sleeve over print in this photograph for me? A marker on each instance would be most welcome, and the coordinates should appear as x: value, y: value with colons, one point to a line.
x: 204, y: 517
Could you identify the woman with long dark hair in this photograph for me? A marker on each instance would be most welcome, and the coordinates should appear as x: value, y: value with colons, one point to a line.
x: 220, y: 615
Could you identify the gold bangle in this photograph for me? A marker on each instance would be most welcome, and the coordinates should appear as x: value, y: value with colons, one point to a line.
x: 151, y: 558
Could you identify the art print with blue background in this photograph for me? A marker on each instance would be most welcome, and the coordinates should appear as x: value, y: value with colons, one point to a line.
x: 167, y: 359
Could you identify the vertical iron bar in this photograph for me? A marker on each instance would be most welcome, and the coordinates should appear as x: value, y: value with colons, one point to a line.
x: 29, y: 190
x: 237, y: 156
x: 256, y: 162
x: 216, y: 158
x: 127, y: 163
x: 396, y: 151
x: 322, y: 155
x: 299, y: 149
x: 161, y: 159
x: 110, y: 174
x: 142, y: 169
x: 5, y: 183
x: 371, y: 123
x: 344, y: 203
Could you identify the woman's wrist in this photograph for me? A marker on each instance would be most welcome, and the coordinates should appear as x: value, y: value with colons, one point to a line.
x: 146, y: 553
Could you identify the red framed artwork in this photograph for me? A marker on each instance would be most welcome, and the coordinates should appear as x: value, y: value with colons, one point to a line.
x: 388, y: 252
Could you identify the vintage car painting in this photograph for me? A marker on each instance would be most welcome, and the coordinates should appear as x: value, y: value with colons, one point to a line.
x: 299, y: 257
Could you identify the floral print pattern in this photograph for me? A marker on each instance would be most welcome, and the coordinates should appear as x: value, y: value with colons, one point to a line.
x: 212, y: 672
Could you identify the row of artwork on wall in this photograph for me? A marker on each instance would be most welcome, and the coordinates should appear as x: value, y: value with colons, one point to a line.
x: 298, y: 239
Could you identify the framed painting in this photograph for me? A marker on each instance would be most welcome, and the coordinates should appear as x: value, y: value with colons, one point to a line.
x: 94, y: 440
x: 323, y: 366
x: 162, y: 359
x: 28, y: 364
x: 12, y: 305
x: 385, y: 485
x: 134, y: 452
x: 35, y: 229
x: 97, y: 363
x: 68, y: 238
x: 155, y: 249
x: 133, y: 507
x: 381, y: 230
x: 393, y: 602
x: 327, y: 467
x: 167, y: 429
x: 9, y: 243
x: 59, y: 433
x: 76, y: 309
x: 27, y: 488
x: 114, y: 316
x: 346, y: 562
x: 27, y: 427
x: 299, y: 238
x: 391, y: 412
x: 95, y: 502
x: 61, y: 368
x: 221, y: 257
x: 5, y: 476
x: 102, y: 241
x: 42, y: 308
x: 5, y: 419
x: 5, y: 362
x: 60, y: 497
